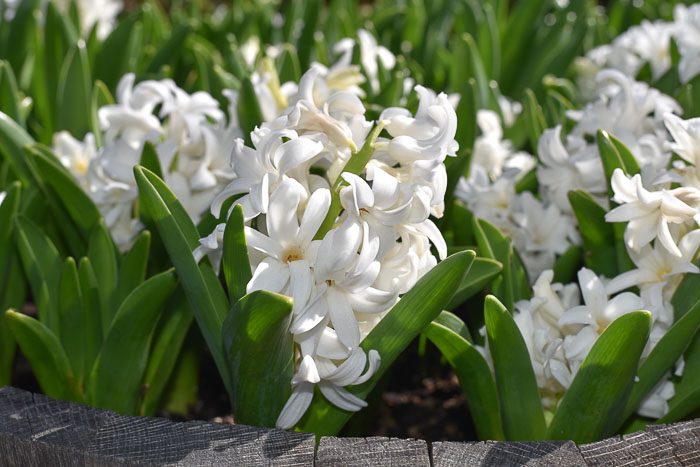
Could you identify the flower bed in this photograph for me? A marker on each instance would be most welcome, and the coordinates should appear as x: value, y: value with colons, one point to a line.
x: 310, y: 198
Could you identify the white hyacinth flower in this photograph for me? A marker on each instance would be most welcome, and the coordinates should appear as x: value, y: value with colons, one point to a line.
x: 649, y: 213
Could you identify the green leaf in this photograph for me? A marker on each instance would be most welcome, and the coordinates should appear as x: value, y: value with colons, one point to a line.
x: 9, y: 94
x: 408, y: 318
x: 167, y: 344
x: 73, y: 109
x: 511, y: 286
x: 454, y: 323
x: 42, y: 349
x: 116, y: 53
x: 663, y: 357
x: 100, y: 97
x: 480, y: 275
x: 687, y: 397
x: 686, y: 295
x: 592, y: 406
x: 475, y: 378
x: 133, y: 268
x: 180, y: 238
x: 170, y: 49
x: 103, y: 259
x: 92, y: 313
x: 614, y: 155
x: 149, y: 159
x: 523, y: 418
x: 115, y: 382
x: 43, y: 266
x: 11, y: 276
x: 71, y: 320
x: 235, y: 263
x: 248, y: 109
x: 260, y: 353
x: 566, y: 265
x: 535, y: 121
x: 12, y: 139
x: 597, y: 234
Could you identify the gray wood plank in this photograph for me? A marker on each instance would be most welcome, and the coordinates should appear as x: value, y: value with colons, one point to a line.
x: 685, y: 439
x: 644, y: 448
x: 491, y: 453
x: 372, y: 451
x: 211, y: 444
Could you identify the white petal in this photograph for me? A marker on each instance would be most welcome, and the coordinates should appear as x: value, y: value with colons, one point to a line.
x: 296, y: 406
x: 314, y: 214
x: 341, y: 397
x: 343, y: 318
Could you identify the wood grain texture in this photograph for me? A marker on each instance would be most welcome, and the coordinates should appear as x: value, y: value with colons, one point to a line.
x: 491, y: 453
x: 38, y: 431
x: 372, y: 452
x: 661, y: 445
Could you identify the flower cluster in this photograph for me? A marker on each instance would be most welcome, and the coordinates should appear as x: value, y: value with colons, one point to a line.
x: 560, y: 323
x: 647, y: 44
x: 192, y: 141
x: 337, y: 210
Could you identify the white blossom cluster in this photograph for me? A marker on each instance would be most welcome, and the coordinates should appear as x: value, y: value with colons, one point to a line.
x: 101, y: 14
x: 538, y: 228
x: 343, y: 75
x: 343, y: 278
x: 648, y: 43
x: 191, y: 136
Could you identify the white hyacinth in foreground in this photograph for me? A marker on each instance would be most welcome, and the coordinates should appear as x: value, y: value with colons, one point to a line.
x: 344, y: 244
x: 191, y: 138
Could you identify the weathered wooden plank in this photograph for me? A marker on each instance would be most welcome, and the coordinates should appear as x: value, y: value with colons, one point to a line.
x: 685, y: 439
x: 211, y: 444
x: 372, y: 451
x: 36, y: 431
x: 491, y: 453
x: 644, y: 448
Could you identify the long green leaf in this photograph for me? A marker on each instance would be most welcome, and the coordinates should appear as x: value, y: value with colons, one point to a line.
x: 71, y: 320
x: 408, y: 318
x: 475, y: 378
x: 260, y: 351
x: 9, y: 94
x: 483, y: 271
x: 92, y: 313
x: 249, y: 113
x: 115, y: 382
x: 180, y: 238
x: 236, y: 264
x: 11, y: 295
x: 74, y: 92
x: 132, y: 270
x: 663, y: 356
x: 686, y: 399
x: 592, y: 406
x: 167, y: 347
x: 45, y: 355
x: 597, y: 234
x: 43, y: 265
x: 103, y: 259
x: 523, y: 418
x: 12, y: 139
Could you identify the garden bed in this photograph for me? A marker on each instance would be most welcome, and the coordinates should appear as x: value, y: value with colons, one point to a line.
x: 37, y: 430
